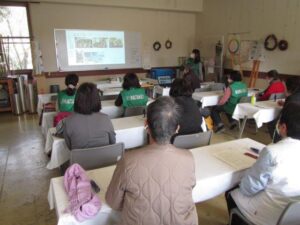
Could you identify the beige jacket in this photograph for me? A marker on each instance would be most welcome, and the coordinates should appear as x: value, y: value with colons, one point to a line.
x: 153, y: 186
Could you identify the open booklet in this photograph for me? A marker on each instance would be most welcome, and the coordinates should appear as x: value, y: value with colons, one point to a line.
x: 236, y: 158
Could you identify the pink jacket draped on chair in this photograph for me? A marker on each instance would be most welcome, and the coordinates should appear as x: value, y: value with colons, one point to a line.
x: 84, y: 204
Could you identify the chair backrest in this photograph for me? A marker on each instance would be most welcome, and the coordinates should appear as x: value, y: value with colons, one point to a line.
x: 193, y: 140
x: 291, y: 214
x: 217, y: 86
x: 93, y: 158
x: 245, y: 99
x: 203, y: 89
x: 134, y: 111
x: 276, y: 96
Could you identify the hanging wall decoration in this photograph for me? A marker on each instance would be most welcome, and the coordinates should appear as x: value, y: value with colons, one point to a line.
x: 283, y: 45
x: 156, y: 46
x: 233, y: 45
x: 271, y: 42
x: 168, y: 44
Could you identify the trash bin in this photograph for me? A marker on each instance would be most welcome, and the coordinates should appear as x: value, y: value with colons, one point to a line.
x: 21, y: 92
x: 17, y: 108
x: 31, y: 98
x: 54, y: 88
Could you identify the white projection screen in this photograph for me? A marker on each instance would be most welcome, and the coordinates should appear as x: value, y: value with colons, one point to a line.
x: 78, y: 50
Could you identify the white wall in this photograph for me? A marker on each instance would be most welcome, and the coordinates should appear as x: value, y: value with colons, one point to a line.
x: 154, y: 25
x: 260, y: 18
x: 173, y: 5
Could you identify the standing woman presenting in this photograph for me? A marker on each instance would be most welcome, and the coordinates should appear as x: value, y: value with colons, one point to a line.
x: 195, y: 64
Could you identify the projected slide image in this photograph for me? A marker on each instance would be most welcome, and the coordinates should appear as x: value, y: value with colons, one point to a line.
x: 95, y: 47
x: 115, y: 43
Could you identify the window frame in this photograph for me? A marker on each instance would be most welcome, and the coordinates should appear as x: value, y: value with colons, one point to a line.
x: 26, y: 5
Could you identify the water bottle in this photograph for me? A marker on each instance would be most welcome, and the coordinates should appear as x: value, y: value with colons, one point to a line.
x: 253, y: 99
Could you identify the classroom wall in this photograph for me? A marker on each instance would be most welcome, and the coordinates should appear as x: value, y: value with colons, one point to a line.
x: 174, y: 5
x: 257, y: 18
x: 154, y: 25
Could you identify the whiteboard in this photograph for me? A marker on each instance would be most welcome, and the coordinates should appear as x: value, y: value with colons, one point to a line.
x: 132, y: 53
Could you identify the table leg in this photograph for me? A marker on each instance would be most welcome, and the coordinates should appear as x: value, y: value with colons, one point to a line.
x: 242, y: 127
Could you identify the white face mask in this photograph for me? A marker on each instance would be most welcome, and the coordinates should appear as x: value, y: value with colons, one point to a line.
x: 71, y: 86
x: 192, y: 55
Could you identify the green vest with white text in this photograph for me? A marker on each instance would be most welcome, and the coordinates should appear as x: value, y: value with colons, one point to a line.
x: 134, y: 97
x: 238, y: 90
x: 65, y: 102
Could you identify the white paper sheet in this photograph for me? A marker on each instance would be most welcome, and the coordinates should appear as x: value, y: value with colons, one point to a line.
x: 235, y: 158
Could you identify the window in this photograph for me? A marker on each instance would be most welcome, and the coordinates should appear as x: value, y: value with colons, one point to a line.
x: 15, y: 45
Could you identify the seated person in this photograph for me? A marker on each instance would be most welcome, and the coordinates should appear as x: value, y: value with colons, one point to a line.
x: 275, y: 86
x: 148, y: 186
x: 67, y: 96
x: 293, y: 95
x: 132, y: 94
x: 228, y: 102
x: 293, y: 91
x: 191, y: 78
x: 87, y: 127
x: 191, y: 119
x: 273, y: 181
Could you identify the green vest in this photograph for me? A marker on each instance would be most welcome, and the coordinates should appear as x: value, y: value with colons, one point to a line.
x: 66, y: 102
x: 134, y: 97
x: 238, y: 90
x: 195, y: 67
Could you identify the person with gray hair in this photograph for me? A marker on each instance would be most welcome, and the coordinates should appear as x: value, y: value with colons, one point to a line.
x: 153, y: 185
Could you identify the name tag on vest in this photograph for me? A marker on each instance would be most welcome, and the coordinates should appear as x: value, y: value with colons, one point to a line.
x: 135, y: 97
x: 240, y: 91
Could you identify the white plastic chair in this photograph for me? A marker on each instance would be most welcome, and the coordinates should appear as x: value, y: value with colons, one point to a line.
x: 93, y: 158
x: 289, y: 216
x: 190, y: 141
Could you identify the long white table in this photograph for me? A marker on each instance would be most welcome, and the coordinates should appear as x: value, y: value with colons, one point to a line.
x: 129, y: 130
x: 47, y: 122
x: 117, y: 85
x: 46, y: 98
x: 213, y: 177
x: 107, y: 84
x: 108, y: 107
x: 211, y: 98
x: 261, y: 112
x: 208, y: 98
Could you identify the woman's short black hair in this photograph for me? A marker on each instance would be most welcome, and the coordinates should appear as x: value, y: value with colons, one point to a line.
x: 191, y: 79
x: 197, y: 55
x: 163, y: 119
x: 292, y: 84
x: 87, y: 100
x: 73, y: 80
x: 131, y: 81
x: 290, y: 116
x: 180, y: 87
x: 273, y: 74
x: 235, y: 75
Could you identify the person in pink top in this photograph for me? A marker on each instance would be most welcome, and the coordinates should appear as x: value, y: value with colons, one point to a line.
x: 275, y: 86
